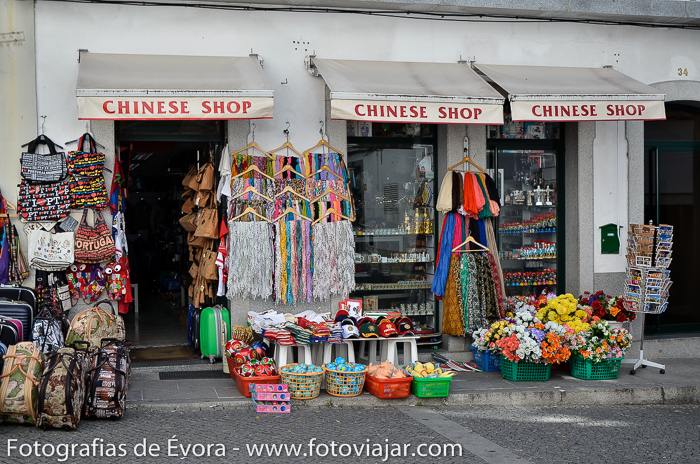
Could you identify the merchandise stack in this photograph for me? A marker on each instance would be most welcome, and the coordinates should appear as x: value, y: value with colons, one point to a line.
x: 649, y: 250
x: 468, y: 274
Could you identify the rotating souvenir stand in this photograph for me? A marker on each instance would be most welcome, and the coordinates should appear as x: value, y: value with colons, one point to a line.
x: 646, y: 286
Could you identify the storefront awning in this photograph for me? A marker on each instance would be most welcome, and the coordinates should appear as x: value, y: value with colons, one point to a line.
x: 382, y: 91
x: 540, y: 93
x: 157, y: 87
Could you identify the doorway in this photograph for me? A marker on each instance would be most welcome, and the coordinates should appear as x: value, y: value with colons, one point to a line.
x: 672, y: 196
x: 156, y: 156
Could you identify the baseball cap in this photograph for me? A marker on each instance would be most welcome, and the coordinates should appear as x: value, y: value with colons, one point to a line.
x: 348, y: 321
x: 363, y: 320
x: 350, y: 331
x: 342, y: 314
x: 405, y: 327
x: 387, y: 328
x: 369, y: 329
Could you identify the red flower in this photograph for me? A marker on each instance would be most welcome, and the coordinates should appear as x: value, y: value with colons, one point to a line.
x: 621, y: 317
x: 633, y: 316
x: 596, y: 306
x: 584, y: 301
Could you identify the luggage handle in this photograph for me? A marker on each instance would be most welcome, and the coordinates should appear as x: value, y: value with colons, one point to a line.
x: 105, y: 300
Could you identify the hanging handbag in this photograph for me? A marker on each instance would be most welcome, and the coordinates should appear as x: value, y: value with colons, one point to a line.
x: 196, y: 242
x: 188, y: 178
x: 37, y: 168
x: 208, y: 224
x: 86, y: 163
x: 194, y: 270
x: 189, y: 222
x: 204, y: 199
x: 188, y: 206
x: 50, y: 252
x: 208, y: 268
x: 94, y: 244
x: 49, y: 202
x: 208, y: 180
x: 88, y: 192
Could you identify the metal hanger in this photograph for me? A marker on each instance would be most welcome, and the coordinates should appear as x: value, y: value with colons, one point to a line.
x: 286, y: 144
x: 42, y: 137
x: 87, y: 131
x: 466, y: 159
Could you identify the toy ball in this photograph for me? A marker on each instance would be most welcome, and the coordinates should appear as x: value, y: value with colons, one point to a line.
x: 259, y: 369
x: 311, y: 366
x: 267, y: 361
x: 261, y: 350
x: 234, y: 344
x: 340, y: 360
x: 331, y: 366
x: 302, y: 366
x: 254, y: 361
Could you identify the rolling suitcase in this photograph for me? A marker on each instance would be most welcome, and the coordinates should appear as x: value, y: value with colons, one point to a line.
x: 9, y: 335
x: 62, y: 389
x: 19, y: 382
x: 108, y: 380
x: 17, y: 293
x: 21, y: 311
x: 214, y: 323
x: 193, y: 328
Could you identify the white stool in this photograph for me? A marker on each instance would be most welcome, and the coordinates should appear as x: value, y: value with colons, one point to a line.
x: 372, y: 355
x: 408, y: 343
x: 328, y: 355
x: 283, y: 353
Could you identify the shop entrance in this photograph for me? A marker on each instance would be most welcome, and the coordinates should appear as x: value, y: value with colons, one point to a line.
x: 672, y: 196
x: 156, y: 156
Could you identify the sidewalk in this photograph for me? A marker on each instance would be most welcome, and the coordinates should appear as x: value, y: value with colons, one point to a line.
x: 679, y: 385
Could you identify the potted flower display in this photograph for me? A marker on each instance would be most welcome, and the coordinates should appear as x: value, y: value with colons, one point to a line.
x: 604, y: 307
x: 597, y: 353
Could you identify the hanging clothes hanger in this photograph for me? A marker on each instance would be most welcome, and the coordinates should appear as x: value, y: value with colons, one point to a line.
x: 252, y: 211
x: 9, y: 205
x: 324, y: 168
x: 290, y: 169
x: 254, y: 145
x: 469, y: 239
x: 286, y: 144
x: 326, y: 192
x: 466, y: 159
x: 251, y: 189
x: 291, y: 210
x: 87, y: 131
x: 323, y: 143
x: 328, y: 212
x: 291, y: 190
x: 42, y: 137
x: 252, y: 168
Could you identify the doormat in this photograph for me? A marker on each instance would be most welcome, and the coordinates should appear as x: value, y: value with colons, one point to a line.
x: 193, y: 375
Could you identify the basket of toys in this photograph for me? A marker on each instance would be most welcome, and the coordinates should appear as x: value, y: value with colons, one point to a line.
x: 343, y: 378
x: 304, y: 380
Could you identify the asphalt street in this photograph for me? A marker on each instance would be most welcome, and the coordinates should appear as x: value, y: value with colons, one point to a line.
x: 333, y: 434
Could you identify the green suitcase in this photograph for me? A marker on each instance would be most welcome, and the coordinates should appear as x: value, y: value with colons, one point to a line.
x: 213, y: 323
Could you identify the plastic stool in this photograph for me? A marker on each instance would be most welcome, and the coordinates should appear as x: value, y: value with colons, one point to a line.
x: 393, y: 355
x: 283, y: 354
x: 372, y: 356
x: 328, y: 355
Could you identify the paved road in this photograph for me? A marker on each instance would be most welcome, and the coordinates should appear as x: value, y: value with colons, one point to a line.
x: 487, y: 435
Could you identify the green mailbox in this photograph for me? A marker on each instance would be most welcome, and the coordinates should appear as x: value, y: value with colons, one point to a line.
x: 609, y: 239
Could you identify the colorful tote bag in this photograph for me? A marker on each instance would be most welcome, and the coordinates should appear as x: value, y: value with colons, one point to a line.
x: 50, y: 252
x: 86, y: 163
x: 49, y: 202
x: 94, y: 244
x: 88, y: 192
x: 37, y: 168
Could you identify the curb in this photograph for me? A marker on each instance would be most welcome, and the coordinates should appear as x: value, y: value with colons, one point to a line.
x: 599, y: 397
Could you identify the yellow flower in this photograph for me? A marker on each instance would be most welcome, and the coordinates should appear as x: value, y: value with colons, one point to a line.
x: 581, y: 314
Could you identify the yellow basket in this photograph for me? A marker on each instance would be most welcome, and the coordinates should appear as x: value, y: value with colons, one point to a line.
x: 302, y: 386
x: 344, y: 383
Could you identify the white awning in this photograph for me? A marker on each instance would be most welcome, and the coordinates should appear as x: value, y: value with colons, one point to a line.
x: 383, y: 91
x: 541, y: 93
x: 157, y: 87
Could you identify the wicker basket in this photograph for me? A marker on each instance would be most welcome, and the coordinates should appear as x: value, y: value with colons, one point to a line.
x: 344, y: 383
x: 302, y: 386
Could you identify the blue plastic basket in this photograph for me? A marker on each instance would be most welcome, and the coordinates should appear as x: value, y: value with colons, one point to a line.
x: 487, y: 361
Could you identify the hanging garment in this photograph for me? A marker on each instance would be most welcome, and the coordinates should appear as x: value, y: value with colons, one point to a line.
x: 4, y: 258
x: 469, y: 206
x: 475, y: 320
x: 333, y: 259
x: 479, y: 198
x: 485, y: 212
x: 225, y: 167
x: 464, y: 289
x: 444, y: 200
x: 492, y: 246
x: 250, y: 260
x: 442, y: 265
x: 94, y: 244
x: 452, y: 305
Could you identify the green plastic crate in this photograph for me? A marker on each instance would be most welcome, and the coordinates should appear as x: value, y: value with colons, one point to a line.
x: 586, y: 369
x: 431, y: 388
x: 524, y: 371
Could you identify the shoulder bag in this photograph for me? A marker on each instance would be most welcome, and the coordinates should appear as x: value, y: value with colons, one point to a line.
x: 37, y: 168
x: 94, y: 244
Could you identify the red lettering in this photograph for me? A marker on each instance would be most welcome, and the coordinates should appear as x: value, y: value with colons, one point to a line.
x: 381, y: 110
x: 477, y: 112
x: 414, y: 111
x: 534, y: 111
x: 238, y: 107
x: 423, y: 112
x: 173, y: 107
x: 547, y: 111
x: 584, y: 110
x: 246, y: 105
x: 123, y: 107
x: 574, y: 110
x: 565, y: 110
x: 161, y: 107
x: 610, y: 110
x: 147, y: 106
x: 372, y: 110
x: 468, y: 114
x: 593, y: 110
x: 218, y: 107
x: 391, y: 111
x: 441, y: 110
x: 452, y: 112
x: 403, y: 112
x: 631, y: 111
x: 136, y: 107
x: 357, y: 110
x: 183, y: 108
x: 641, y: 109
x: 206, y: 108
x: 105, y: 109
x: 619, y: 110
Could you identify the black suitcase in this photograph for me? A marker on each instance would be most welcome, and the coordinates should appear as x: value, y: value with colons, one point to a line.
x: 8, y: 336
x: 21, y: 311
x: 194, y: 329
x: 17, y: 293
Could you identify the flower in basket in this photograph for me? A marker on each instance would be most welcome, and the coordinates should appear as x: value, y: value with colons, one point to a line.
x: 605, y: 308
x: 485, y: 339
x: 564, y: 310
x: 530, y: 340
x: 603, y: 343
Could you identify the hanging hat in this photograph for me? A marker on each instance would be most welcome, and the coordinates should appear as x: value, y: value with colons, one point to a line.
x: 369, y: 329
x: 387, y: 328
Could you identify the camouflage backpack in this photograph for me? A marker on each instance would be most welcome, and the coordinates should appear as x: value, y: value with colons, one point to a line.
x: 108, y: 380
x: 19, y: 383
x: 62, y: 389
x: 93, y: 324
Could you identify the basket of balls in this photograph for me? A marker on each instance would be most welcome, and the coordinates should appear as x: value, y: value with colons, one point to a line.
x: 304, y: 380
x: 343, y: 378
x: 255, y: 371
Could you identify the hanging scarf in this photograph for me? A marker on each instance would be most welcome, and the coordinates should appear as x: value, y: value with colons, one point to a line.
x: 333, y: 259
x: 492, y: 245
x: 464, y: 289
x: 442, y: 267
x: 444, y: 200
x: 479, y: 199
x: 469, y: 206
x: 250, y: 261
x: 486, y: 211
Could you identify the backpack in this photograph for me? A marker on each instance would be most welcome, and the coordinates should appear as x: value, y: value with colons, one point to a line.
x: 62, y: 389
x: 19, y: 382
x: 93, y: 324
x: 108, y: 380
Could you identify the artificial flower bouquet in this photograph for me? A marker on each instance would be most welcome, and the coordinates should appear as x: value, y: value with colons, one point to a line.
x: 526, y: 338
x: 600, y: 343
x: 564, y: 310
x: 604, y: 307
